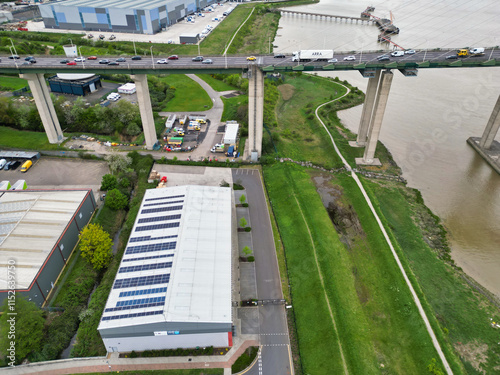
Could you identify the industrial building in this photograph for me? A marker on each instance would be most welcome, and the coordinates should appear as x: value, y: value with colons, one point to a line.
x: 38, y: 231
x: 173, y: 287
x: 130, y: 16
x: 75, y: 84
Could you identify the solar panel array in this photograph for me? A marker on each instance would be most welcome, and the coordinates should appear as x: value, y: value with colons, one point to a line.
x: 149, y: 238
x: 157, y: 226
x: 147, y: 313
x: 150, y: 247
x: 160, y: 209
x: 142, y: 292
x: 141, y: 280
x: 137, y: 304
x: 171, y: 197
x: 146, y: 258
x: 145, y: 267
x: 159, y: 218
x: 159, y: 204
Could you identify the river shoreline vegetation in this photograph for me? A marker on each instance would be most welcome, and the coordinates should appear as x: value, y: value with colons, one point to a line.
x: 351, y: 307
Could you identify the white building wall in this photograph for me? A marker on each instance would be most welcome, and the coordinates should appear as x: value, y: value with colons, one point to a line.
x: 127, y: 344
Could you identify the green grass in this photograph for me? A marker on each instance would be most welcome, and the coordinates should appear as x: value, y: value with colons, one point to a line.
x: 204, y: 371
x: 376, y: 318
x: 245, y: 359
x: 216, y: 84
x: 13, y: 83
x: 12, y: 138
x: 189, y: 95
x: 231, y: 106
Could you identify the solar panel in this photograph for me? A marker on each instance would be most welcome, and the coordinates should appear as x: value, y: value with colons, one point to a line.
x: 161, y: 209
x: 141, y: 280
x: 149, y: 238
x: 157, y: 226
x: 145, y: 267
x: 147, y: 313
x: 159, y: 204
x: 137, y: 304
x: 146, y: 258
x: 173, y: 196
x: 142, y: 291
x: 158, y: 218
x: 150, y: 247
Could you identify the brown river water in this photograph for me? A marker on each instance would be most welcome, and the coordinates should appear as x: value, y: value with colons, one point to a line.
x: 428, y: 118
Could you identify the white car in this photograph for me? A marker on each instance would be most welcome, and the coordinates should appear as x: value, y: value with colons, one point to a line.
x: 79, y: 59
x: 162, y: 61
x: 350, y: 58
x: 410, y: 52
x: 333, y: 60
x: 397, y: 53
x: 113, y: 96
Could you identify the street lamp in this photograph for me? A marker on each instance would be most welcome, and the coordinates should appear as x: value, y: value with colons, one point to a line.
x: 13, y: 46
x: 83, y: 60
x: 71, y: 41
x: 152, y: 61
x: 135, y: 51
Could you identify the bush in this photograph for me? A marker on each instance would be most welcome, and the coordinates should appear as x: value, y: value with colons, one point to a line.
x: 251, y: 258
x: 238, y: 187
x: 248, y: 229
x: 116, y: 200
x: 108, y: 182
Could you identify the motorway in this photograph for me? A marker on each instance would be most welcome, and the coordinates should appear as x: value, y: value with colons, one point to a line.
x: 148, y: 64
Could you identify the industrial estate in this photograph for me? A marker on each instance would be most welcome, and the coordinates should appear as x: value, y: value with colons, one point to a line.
x: 194, y: 211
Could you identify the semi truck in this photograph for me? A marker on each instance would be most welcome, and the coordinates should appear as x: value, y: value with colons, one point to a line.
x: 312, y: 55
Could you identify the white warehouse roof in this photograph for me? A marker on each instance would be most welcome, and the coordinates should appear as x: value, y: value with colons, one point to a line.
x: 177, y: 264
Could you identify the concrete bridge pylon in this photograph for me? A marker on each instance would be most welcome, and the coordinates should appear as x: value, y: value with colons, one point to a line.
x: 492, y: 127
x: 255, y: 111
x: 144, y: 100
x: 45, y: 106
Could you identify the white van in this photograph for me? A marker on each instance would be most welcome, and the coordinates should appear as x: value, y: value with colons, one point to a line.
x: 398, y: 53
x: 2, y: 163
x: 477, y: 51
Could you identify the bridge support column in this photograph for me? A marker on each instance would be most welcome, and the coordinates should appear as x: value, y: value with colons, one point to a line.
x: 366, y: 115
x: 148, y: 123
x: 384, y: 88
x: 492, y: 127
x: 45, y: 106
x: 255, y: 111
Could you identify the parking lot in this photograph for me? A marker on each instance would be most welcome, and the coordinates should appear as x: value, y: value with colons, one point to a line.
x: 57, y: 173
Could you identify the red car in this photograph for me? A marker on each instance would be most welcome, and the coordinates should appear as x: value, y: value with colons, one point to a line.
x: 173, y: 57
x: 92, y: 58
x: 71, y: 63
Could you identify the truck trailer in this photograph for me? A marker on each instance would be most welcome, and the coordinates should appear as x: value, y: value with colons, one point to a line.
x: 312, y: 55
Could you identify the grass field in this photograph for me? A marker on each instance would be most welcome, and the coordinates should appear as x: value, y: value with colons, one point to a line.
x: 189, y: 95
x: 205, y: 371
x: 25, y: 140
x: 13, y: 83
x: 375, y: 317
x: 216, y: 84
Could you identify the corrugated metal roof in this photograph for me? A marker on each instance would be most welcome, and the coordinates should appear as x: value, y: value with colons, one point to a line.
x: 123, y: 4
x: 31, y: 222
x: 179, y: 270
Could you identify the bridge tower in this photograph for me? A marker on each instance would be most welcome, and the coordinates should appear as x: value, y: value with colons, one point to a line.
x: 492, y: 127
x: 45, y: 106
x: 144, y: 100
x: 255, y: 111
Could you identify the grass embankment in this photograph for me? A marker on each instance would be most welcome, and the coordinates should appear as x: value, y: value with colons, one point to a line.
x: 189, y: 95
x: 12, y: 83
x: 205, y: 371
x: 28, y: 140
x: 216, y: 84
x: 377, y: 323
x: 233, y: 106
x: 245, y: 359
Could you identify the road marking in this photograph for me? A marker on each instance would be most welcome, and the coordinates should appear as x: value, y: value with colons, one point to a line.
x: 275, y: 345
x: 274, y: 334
x: 260, y: 362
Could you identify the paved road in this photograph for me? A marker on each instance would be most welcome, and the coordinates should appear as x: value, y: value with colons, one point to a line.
x: 273, y: 330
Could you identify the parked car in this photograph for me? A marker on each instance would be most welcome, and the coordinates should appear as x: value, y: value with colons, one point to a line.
x: 79, y: 59
x: 7, y: 165
x: 383, y: 58
x: 162, y: 61
x: 279, y: 56
x: 121, y: 59
x: 350, y: 58
x: 92, y: 58
x: 71, y: 63
x: 173, y: 57
x: 64, y: 61
x: 251, y: 58
x: 104, y: 61
x: 2, y: 163
x: 136, y: 58
x: 197, y: 58
x: 207, y: 61
x: 410, y: 52
x: 15, y: 164
x: 333, y: 60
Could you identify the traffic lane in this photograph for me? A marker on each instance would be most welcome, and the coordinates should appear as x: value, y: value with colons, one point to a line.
x: 266, y: 264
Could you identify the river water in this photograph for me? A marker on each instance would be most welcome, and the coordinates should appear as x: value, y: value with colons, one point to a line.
x: 428, y: 118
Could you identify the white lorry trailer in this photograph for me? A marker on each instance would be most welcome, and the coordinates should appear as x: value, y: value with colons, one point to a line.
x: 312, y: 55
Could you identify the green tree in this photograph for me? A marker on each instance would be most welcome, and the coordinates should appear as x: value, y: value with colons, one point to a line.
x: 243, y: 222
x: 109, y: 182
x: 25, y: 329
x: 243, y: 199
x: 118, y: 163
x: 116, y: 200
x: 96, y: 246
x: 247, y: 251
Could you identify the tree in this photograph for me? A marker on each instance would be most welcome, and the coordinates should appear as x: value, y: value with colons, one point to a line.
x: 243, y: 222
x: 25, y: 329
x: 118, y: 163
x: 109, y: 182
x: 243, y: 199
x: 247, y: 251
x: 116, y: 200
x: 96, y: 246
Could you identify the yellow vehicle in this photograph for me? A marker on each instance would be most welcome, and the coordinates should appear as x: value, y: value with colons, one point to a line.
x: 463, y: 52
x: 201, y: 121
x: 27, y: 165
x: 251, y: 58
x: 180, y: 133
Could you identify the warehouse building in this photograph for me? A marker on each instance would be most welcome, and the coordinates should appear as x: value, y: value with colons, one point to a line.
x: 130, y: 16
x: 173, y: 287
x: 75, y: 84
x: 38, y: 231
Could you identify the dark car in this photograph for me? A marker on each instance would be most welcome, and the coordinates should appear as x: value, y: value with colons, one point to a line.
x: 452, y: 57
x: 29, y: 58
x: 64, y: 61
x: 7, y: 166
x: 120, y: 59
x: 173, y: 57
x: 113, y: 63
x: 279, y: 56
x: 32, y: 61
x: 383, y: 58
x: 15, y: 57
x: 15, y: 164
x: 103, y: 61
x: 197, y: 58
x: 136, y: 58
x: 26, y: 63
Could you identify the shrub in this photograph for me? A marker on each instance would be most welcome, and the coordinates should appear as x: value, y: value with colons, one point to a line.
x: 108, y: 182
x: 248, y: 229
x: 116, y: 200
x: 251, y: 258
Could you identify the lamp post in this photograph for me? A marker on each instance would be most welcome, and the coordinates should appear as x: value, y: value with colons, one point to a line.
x: 152, y: 61
x: 71, y: 41
x: 135, y: 51
x: 81, y: 57
x: 14, y: 47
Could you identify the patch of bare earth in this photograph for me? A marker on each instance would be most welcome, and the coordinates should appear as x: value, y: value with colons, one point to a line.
x: 474, y: 353
x: 286, y: 91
